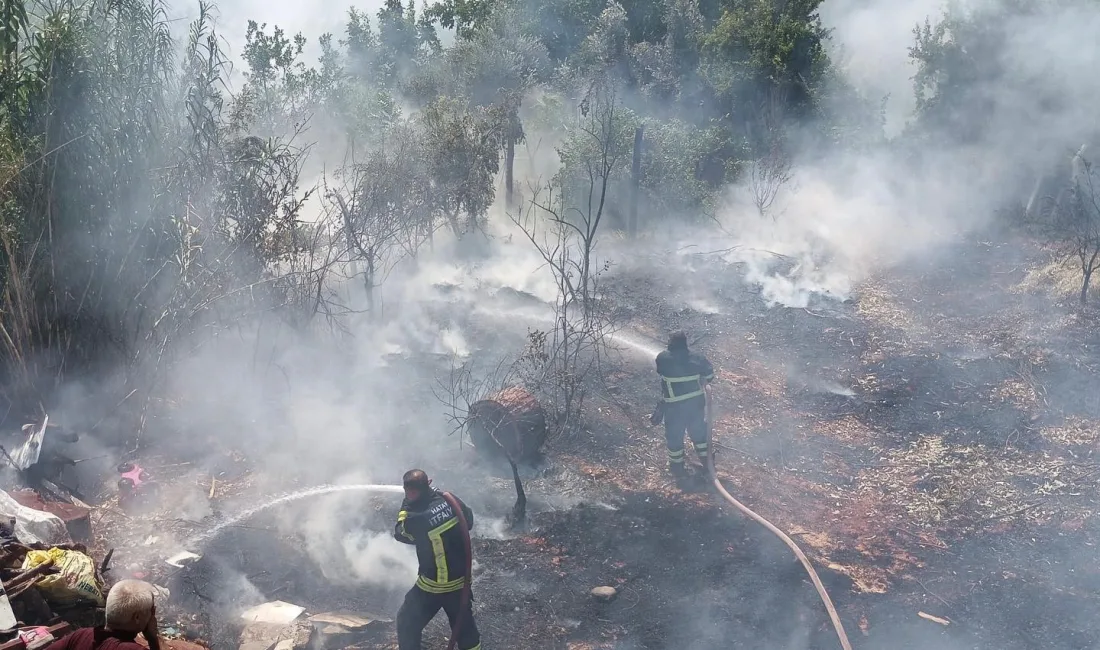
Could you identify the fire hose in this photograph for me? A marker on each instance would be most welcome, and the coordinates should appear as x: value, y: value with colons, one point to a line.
x: 837, y: 625
x: 464, y: 602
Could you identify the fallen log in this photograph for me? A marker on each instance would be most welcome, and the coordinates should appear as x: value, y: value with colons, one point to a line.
x: 510, y: 423
x: 31, y: 575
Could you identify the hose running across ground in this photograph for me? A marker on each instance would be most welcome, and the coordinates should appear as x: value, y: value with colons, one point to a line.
x: 837, y: 625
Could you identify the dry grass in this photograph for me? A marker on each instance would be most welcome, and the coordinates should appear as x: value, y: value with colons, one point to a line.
x: 879, y: 306
x: 1074, y: 432
x: 1018, y: 392
x: 1058, y: 278
x: 939, y: 484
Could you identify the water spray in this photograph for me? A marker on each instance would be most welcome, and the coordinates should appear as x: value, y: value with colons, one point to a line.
x: 290, y: 498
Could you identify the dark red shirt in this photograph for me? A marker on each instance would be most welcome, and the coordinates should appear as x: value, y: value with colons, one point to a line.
x: 97, y: 638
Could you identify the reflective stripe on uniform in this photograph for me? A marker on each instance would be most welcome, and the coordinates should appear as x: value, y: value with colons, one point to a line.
x: 436, y: 587
x: 436, y: 537
x: 401, y: 516
x: 673, y: 397
x: 675, y: 456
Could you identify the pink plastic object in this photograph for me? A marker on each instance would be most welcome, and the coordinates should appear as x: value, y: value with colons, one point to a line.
x: 134, y: 475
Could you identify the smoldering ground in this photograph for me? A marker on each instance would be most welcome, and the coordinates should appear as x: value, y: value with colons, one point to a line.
x: 355, y: 404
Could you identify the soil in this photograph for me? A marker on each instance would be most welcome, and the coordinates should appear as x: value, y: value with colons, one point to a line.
x: 929, y: 443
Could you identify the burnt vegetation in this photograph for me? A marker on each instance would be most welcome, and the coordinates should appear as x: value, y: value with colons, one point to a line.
x: 154, y: 211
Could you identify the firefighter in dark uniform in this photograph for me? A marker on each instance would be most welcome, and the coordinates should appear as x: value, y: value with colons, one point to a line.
x: 428, y: 521
x: 684, y: 376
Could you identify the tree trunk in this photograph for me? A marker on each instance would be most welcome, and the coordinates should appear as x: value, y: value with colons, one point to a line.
x: 509, y: 163
x: 1085, y: 286
x: 635, y: 180
x: 368, y: 284
x: 453, y: 220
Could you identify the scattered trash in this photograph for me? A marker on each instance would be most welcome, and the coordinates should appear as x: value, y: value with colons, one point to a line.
x: 604, y: 593
x: 7, y: 616
x: 182, y: 559
x: 27, y: 454
x: 342, y: 630
x: 33, y: 526
x: 35, y: 637
x: 934, y: 619
x: 275, y: 612
x: 274, y: 636
x: 77, y: 519
x: 136, y: 487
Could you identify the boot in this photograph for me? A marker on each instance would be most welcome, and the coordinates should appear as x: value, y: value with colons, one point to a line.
x: 678, y: 470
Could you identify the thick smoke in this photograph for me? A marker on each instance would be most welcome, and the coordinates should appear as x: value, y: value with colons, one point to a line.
x: 844, y: 218
x: 352, y: 399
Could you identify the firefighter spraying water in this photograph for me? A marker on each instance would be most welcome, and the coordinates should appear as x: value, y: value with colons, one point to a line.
x: 438, y: 525
x: 684, y: 376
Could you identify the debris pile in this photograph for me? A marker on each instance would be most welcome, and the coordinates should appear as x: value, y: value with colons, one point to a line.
x: 278, y: 625
x: 44, y: 586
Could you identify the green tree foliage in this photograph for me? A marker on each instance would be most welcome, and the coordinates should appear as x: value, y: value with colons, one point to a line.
x: 462, y: 152
x: 136, y: 214
x: 142, y: 204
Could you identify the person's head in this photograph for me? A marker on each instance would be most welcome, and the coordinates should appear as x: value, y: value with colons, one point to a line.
x: 677, y: 341
x: 130, y: 606
x: 416, y: 484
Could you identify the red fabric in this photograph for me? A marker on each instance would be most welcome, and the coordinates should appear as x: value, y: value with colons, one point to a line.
x: 96, y: 638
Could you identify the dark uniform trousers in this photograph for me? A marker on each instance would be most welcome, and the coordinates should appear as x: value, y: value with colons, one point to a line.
x: 420, y: 607
x: 686, y: 416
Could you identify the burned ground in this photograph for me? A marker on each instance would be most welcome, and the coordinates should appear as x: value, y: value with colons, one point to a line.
x: 929, y: 443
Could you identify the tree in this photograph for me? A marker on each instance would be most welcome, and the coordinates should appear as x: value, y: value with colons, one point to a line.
x: 758, y: 46
x: 462, y: 155
x: 1074, y: 222
x: 382, y: 207
x: 770, y: 170
x: 564, y: 227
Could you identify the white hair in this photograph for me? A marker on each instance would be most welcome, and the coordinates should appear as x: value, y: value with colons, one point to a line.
x: 128, y: 602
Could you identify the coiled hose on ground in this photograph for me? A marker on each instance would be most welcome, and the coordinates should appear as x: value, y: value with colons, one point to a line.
x: 464, y: 603
x: 837, y: 625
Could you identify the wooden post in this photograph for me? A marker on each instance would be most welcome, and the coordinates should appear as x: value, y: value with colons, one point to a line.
x: 635, y: 180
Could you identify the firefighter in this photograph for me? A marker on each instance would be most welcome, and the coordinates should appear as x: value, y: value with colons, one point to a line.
x: 428, y: 522
x: 684, y: 377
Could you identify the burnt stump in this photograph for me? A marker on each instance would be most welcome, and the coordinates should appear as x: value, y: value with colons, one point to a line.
x: 509, y: 423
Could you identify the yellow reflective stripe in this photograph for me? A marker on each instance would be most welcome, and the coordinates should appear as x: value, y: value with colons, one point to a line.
x: 678, y: 380
x: 401, y: 516
x: 434, y: 587
x: 675, y: 454
x: 672, y: 396
x: 683, y: 397
x: 436, y: 537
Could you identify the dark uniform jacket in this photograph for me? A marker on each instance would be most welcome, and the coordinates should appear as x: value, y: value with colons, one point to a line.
x: 683, y: 375
x: 433, y: 527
